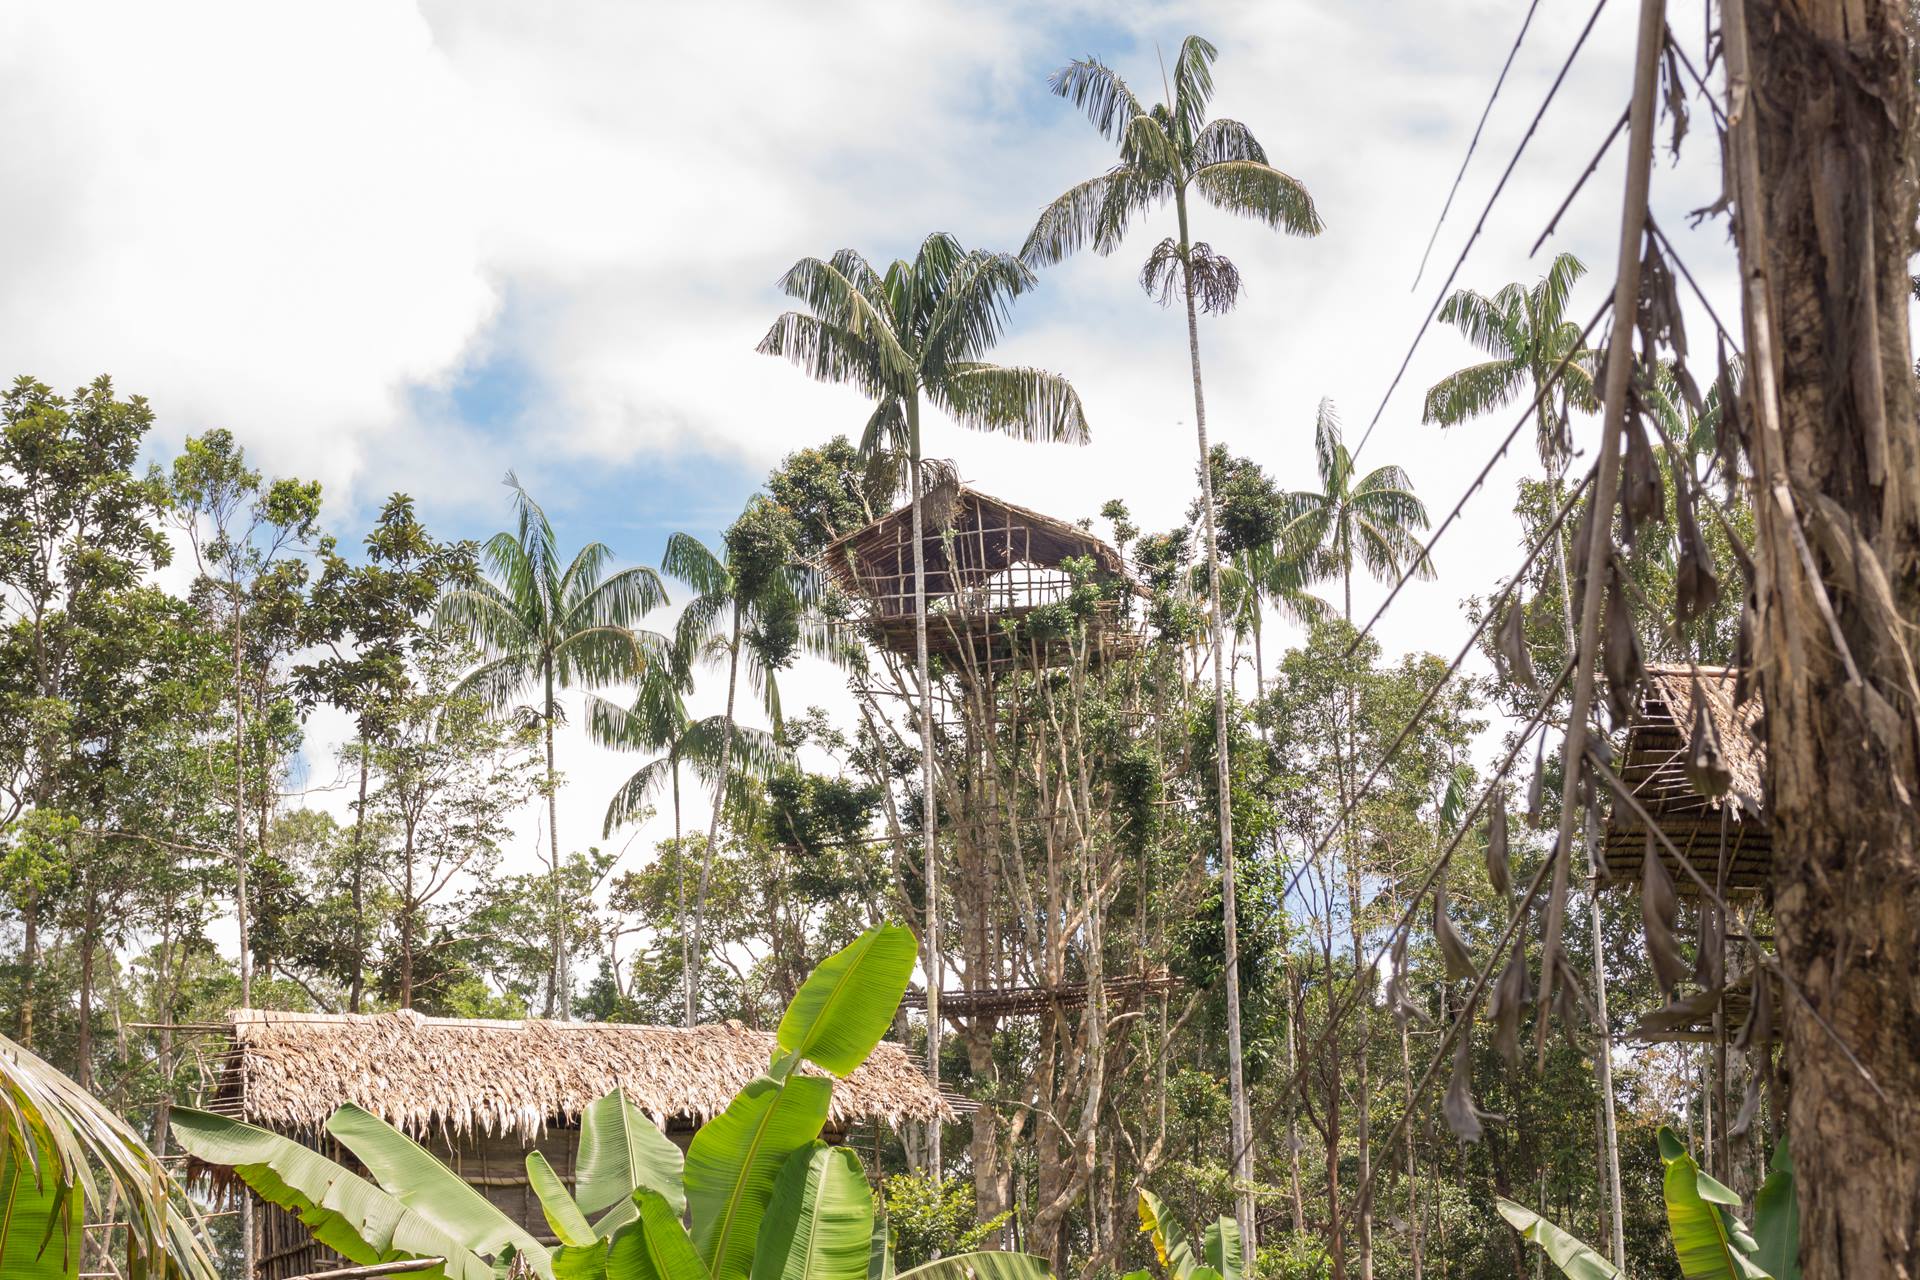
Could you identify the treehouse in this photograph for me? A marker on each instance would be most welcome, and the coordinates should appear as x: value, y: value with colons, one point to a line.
x: 1727, y: 835
x: 995, y: 572
x: 481, y: 1094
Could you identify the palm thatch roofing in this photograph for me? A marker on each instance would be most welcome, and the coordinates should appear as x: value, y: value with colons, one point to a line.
x: 290, y: 1071
x: 969, y: 537
x: 989, y: 562
x: 1654, y: 765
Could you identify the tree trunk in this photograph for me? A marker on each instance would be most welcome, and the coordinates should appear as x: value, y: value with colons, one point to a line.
x: 1293, y: 1117
x: 1240, y: 1127
x: 558, y: 1001
x: 1824, y: 189
x: 689, y: 989
x: 680, y: 868
x: 83, y: 1041
x: 357, y: 980
x: 1363, y: 1107
x: 928, y: 837
x: 407, y: 908
x: 29, y: 961
x: 240, y: 811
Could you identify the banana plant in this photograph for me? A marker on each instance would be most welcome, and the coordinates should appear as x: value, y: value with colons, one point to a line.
x: 1220, y: 1256
x: 1709, y: 1240
x: 767, y: 1198
x: 61, y: 1150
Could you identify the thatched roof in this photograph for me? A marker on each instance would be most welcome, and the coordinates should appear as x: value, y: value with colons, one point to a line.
x: 459, y: 1075
x: 1654, y: 765
x: 988, y: 535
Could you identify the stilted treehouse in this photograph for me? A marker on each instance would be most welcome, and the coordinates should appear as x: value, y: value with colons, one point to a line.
x: 992, y: 568
x: 1685, y: 711
x: 481, y: 1094
x: 1727, y: 837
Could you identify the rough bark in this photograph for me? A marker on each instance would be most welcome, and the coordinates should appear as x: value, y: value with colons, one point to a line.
x: 1825, y: 194
x: 688, y: 986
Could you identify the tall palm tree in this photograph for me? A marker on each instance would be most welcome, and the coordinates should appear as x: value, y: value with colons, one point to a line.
x: 658, y: 721
x: 542, y: 626
x: 748, y: 613
x: 1373, y: 521
x: 918, y: 333
x: 1168, y: 153
x: 1535, y: 348
x: 1256, y: 577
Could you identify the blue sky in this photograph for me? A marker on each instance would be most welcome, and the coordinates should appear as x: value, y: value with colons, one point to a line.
x: 411, y: 246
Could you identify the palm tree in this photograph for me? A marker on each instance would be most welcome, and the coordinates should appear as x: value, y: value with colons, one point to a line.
x: 1166, y: 153
x: 544, y: 627
x: 750, y: 612
x: 918, y: 333
x: 1535, y: 347
x: 658, y: 721
x: 1374, y: 522
x: 1256, y: 577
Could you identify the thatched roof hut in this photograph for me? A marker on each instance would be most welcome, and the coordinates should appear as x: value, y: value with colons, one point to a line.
x: 1654, y: 765
x: 481, y: 1094
x: 988, y: 561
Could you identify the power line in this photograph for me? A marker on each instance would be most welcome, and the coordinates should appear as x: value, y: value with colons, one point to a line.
x: 1474, y: 142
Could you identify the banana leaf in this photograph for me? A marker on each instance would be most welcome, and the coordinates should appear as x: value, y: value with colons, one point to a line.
x: 1221, y: 1244
x: 344, y: 1211
x: 847, y: 1004
x: 622, y: 1151
x: 654, y: 1246
x: 1776, y: 1219
x: 408, y: 1172
x: 819, y: 1222
x: 985, y: 1265
x: 880, y: 1252
x: 557, y: 1204
x: 39, y: 1221
x: 1575, y: 1258
x: 1712, y: 1244
x: 734, y: 1159
x: 1170, y: 1243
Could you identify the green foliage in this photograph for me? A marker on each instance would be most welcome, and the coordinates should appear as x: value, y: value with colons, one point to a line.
x: 929, y: 1218
x: 1293, y: 1256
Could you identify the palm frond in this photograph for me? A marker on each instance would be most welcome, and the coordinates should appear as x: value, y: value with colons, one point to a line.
x: 536, y: 537
x: 1472, y: 391
x: 603, y: 654
x: 496, y: 683
x: 618, y: 601
x: 826, y: 352
x: 971, y: 312
x: 634, y: 799
x: 1262, y: 192
x: 1329, y: 454
x: 1223, y: 140
x: 700, y: 623
x: 1097, y: 212
x: 691, y: 561
x: 1027, y: 404
x: 484, y: 616
x: 1550, y: 295
x: 1485, y: 322
x: 886, y: 429
x: 1097, y: 89
x: 1193, y: 85
x: 833, y: 299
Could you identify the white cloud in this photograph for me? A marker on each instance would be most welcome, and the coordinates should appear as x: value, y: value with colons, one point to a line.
x: 289, y: 220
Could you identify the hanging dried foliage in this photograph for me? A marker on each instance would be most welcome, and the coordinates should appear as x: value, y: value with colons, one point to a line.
x: 1499, y: 870
x: 1459, y: 959
x: 1463, y: 1116
x: 1537, y: 789
x: 1658, y: 908
x: 1678, y: 1015
x: 1399, y: 1002
x: 1706, y: 764
x: 1510, y: 644
x: 1625, y: 668
x: 1756, y: 1033
x: 1749, y: 1108
x: 1512, y: 992
x: 1743, y: 653
x: 1643, y: 496
x: 1696, y: 587
x: 1710, y: 950
x: 1729, y: 429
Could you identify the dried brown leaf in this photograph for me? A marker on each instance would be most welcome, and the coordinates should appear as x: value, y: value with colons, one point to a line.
x: 1706, y: 765
x: 1459, y: 959
x: 1658, y: 907
x: 1499, y: 869
x: 1516, y: 659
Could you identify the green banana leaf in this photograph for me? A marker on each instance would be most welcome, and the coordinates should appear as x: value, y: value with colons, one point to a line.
x: 1575, y: 1258
x: 654, y: 1246
x: 1711, y: 1243
x: 409, y: 1173
x: 557, y: 1204
x: 734, y: 1159
x: 880, y: 1252
x: 847, y: 1004
x: 1204, y: 1273
x: 1170, y: 1243
x: 985, y: 1265
x: 1221, y: 1244
x: 39, y: 1221
x: 819, y: 1222
x: 622, y: 1151
x: 1776, y: 1219
x: 344, y: 1211
x: 1137, y: 1275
